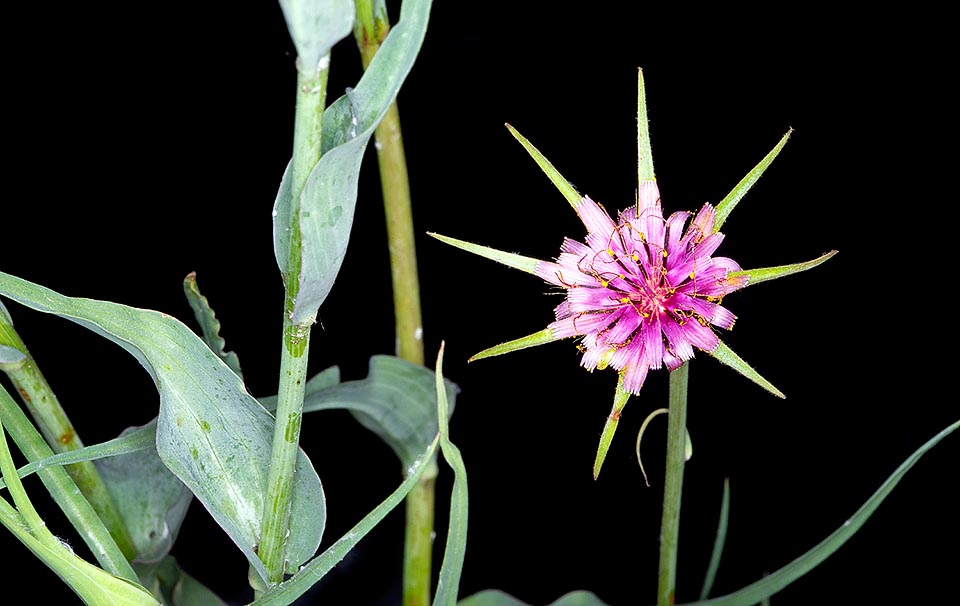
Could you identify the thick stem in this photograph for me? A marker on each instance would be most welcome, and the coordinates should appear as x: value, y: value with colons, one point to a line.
x: 672, y: 486
x: 311, y: 95
x: 370, y: 32
x: 58, y: 431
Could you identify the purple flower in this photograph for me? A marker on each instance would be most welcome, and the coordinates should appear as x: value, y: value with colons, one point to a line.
x: 642, y: 292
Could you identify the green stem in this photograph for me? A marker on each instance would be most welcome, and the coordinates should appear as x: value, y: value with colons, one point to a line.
x: 51, y: 418
x: 63, y: 490
x: 371, y: 29
x: 311, y: 97
x: 673, y: 485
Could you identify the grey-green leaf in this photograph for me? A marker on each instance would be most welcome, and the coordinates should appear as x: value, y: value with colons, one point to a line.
x: 315, y: 26
x: 495, y: 597
x: 329, y: 197
x: 397, y: 401
x: 151, y: 500
x: 177, y: 588
x: 210, y: 432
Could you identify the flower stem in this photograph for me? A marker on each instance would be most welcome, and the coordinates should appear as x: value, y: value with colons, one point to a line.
x: 58, y: 431
x: 311, y: 96
x: 673, y: 485
x: 370, y: 31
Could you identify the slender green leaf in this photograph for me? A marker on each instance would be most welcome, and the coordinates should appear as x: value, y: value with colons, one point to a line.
x: 495, y: 597
x: 64, y: 491
x: 756, y: 276
x: 771, y: 584
x: 329, y: 197
x: 210, y: 432
x: 209, y: 324
x: 291, y: 589
x: 93, y: 585
x: 552, y: 173
x: 727, y: 356
x: 538, y: 338
x: 315, y: 26
x: 729, y: 202
x: 718, y: 542
x: 448, y: 584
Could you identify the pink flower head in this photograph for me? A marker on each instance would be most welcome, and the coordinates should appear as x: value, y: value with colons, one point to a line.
x: 642, y: 291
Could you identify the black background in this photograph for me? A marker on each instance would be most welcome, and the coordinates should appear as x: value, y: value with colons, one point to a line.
x: 147, y: 141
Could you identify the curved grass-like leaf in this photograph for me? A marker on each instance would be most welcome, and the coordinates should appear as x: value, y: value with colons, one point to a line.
x: 495, y: 597
x: 92, y: 584
x: 315, y: 26
x: 329, y: 197
x: 286, y: 592
x: 211, y: 433
x: 209, y: 324
x: 718, y: 542
x: 771, y: 584
x: 397, y: 401
x: 448, y: 583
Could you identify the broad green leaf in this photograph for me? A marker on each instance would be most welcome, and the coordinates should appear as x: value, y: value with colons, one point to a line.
x: 285, y: 593
x: 329, y: 197
x: 315, y: 26
x: 772, y: 583
x: 397, y: 401
x: 448, y: 583
x: 152, y: 501
x: 209, y: 324
x: 495, y: 597
x: 727, y: 356
x: 176, y: 586
x: 729, y: 202
x: 756, y: 276
x: 210, y: 432
x: 527, y: 264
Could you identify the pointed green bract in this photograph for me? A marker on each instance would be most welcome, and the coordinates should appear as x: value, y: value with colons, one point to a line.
x: 315, y: 26
x: 211, y: 433
x: 726, y: 206
x: 538, y: 338
x: 644, y: 150
x: 552, y: 173
x: 610, y: 427
x: 756, y: 276
x: 527, y: 264
x: 726, y: 355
